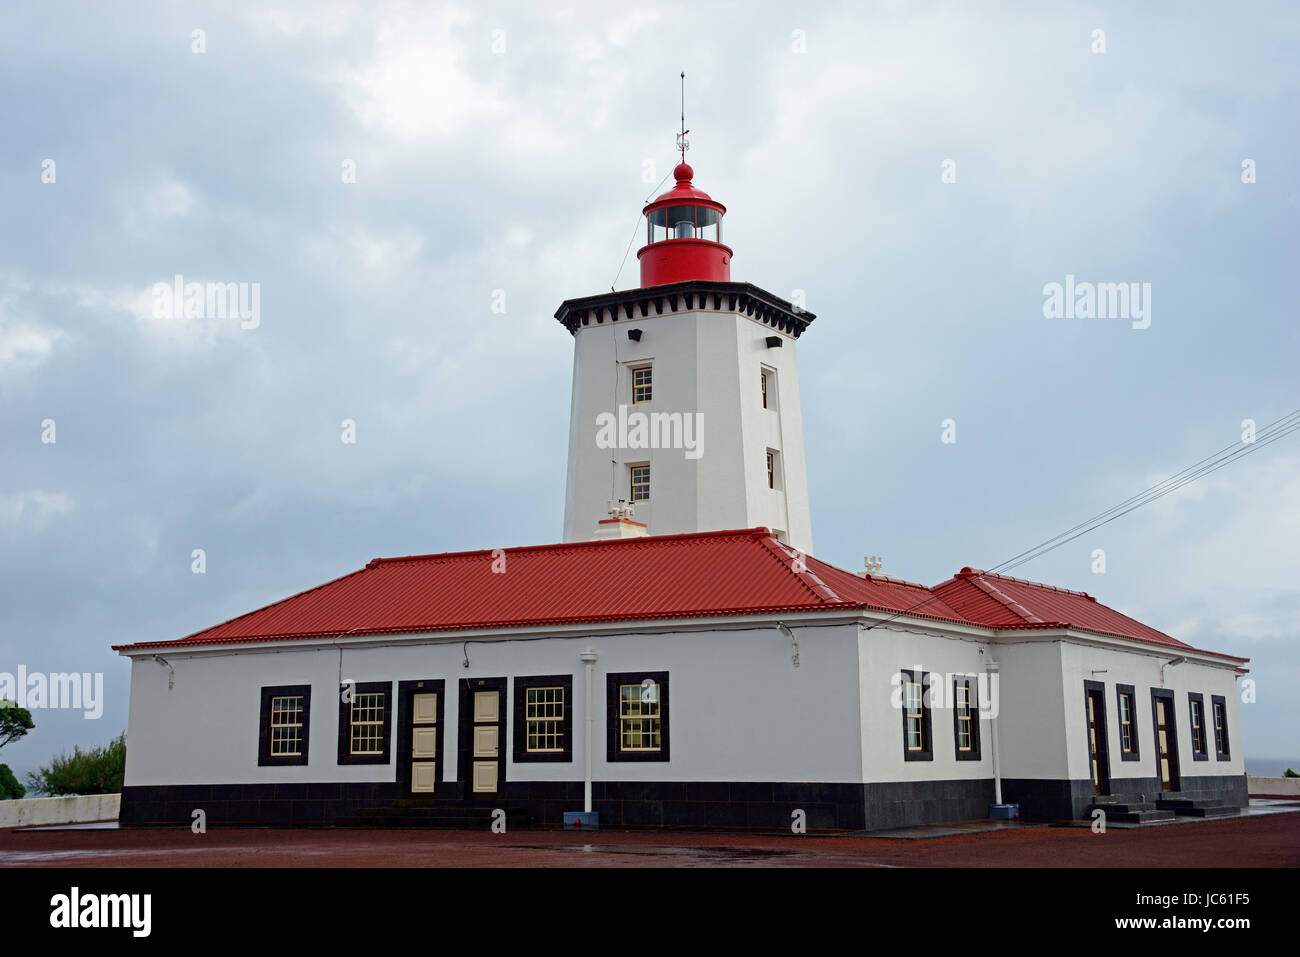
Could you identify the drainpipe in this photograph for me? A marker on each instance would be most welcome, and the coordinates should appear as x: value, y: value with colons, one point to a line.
x: 992, y: 668
x: 588, y: 657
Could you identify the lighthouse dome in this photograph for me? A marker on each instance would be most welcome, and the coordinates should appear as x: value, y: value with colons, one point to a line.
x: 684, y: 235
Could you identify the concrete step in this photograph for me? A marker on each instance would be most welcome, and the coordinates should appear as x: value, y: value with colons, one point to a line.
x: 1125, y: 807
x: 1186, y: 803
x: 449, y: 815
x: 1149, y: 816
x: 1197, y: 807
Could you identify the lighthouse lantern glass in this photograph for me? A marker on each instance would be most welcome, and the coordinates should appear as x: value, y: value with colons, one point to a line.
x: 684, y: 222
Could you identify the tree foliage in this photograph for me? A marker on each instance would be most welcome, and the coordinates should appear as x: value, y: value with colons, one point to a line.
x: 14, y: 722
x: 97, y: 770
x: 9, y: 786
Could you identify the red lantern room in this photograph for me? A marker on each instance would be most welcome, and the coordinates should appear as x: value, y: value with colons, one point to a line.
x: 684, y: 235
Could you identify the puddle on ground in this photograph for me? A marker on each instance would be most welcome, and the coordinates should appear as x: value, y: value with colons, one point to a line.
x: 737, y: 854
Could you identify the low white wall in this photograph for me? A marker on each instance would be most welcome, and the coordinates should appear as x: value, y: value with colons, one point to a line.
x: 1254, y: 785
x: 77, y: 809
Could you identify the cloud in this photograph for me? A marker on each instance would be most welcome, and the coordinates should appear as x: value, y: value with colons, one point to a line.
x: 23, y: 342
x: 31, y: 511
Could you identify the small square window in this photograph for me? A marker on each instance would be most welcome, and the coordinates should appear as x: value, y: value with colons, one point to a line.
x: 642, y: 384
x: 285, y: 724
x: 543, y: 720
x: 637, y: 716
x: 640, y: 483
x: 365, y: 715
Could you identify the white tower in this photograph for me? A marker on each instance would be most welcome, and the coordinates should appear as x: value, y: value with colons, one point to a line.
x: 686, y: 390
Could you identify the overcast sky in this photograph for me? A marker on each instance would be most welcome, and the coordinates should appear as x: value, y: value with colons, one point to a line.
x: 516, y: 161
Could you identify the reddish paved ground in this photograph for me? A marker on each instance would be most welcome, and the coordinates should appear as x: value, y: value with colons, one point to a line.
x: 1264, y: 841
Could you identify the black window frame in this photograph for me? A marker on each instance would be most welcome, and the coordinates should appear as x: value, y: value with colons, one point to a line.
x: 1201, y: 748
x: 1218, y: 701
x: 521, y: 753
x: 345, y: 755
x: 926, y: 753
x: 613, y: 701
x: 1129, y: 691
x: 972, y: 699
x: 264, y: 757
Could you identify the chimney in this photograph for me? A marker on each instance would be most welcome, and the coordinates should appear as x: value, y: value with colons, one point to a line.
x: 619, y: 524
x: 874, y: 564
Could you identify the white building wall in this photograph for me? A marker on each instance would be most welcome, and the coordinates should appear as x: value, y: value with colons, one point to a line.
x: 884, y: 652
x: 1143, y: 670
x: 739, y: 710
x: 704, y: 361
x: 1031, y: 729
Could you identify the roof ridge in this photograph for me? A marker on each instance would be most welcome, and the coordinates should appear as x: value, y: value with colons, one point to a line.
x: 818, y: 587
x: 968, y: 572
x: 1003, y: 599
x: 563, y: 546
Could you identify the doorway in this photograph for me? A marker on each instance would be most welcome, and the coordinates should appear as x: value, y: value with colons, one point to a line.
x: 1162, y: 703
x: 482, y: 736
x: 419, y: 748
x: 1094, y: 693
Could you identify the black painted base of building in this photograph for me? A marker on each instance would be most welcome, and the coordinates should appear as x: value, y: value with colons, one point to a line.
x: 718, y: 805
x: 1052, y: 800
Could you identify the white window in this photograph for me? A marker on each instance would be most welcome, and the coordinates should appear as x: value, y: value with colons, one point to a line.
x: 545, y: 719
x: 286, y: 725
x: 640, y: 490
x: 368, y: 723
x: 642, y: 384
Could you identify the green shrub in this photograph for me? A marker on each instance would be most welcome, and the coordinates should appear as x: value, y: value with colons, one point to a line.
x: 98, y: 770
x: 9, y: 786
x: 1291, y: 774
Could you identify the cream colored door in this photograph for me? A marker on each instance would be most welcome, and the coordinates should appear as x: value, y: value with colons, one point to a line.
x: 485, y: 742
x: 424, y: 743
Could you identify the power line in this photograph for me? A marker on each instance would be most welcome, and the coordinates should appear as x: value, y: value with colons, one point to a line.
x: 1238, y: 446
x: 634, y: 232
x: 1270, y: 433
x: 1284, y: 427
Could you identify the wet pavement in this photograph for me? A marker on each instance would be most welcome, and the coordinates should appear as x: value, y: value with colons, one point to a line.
x: 1256, y: 840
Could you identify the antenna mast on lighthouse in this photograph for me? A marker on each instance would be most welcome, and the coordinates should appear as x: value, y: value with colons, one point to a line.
x: 682, y: 143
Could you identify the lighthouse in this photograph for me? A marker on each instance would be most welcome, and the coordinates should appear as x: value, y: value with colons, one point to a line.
x: 685, y: 402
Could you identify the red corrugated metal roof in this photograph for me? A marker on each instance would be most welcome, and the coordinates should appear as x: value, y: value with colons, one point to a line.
x: 1005, y: 602
x: 880, y: 592
x: 740, y: 572
x: 670, y: 576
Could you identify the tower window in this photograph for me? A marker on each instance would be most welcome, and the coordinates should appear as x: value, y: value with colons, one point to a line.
x: 765, y: 388
x: 773, y: 469
x: 640, y: 483
x: 642, y: 384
